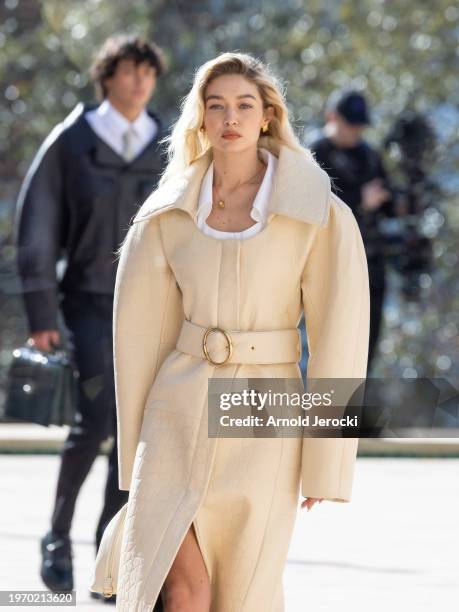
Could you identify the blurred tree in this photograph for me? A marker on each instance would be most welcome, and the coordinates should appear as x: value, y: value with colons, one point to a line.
x: 404, y: 54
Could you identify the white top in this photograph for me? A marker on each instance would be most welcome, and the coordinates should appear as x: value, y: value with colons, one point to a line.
x: 110, y: 125
x: 259, y: 212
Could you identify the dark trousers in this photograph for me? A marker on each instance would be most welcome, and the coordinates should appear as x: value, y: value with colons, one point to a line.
x: 377, y: 282
x: 88, y: 318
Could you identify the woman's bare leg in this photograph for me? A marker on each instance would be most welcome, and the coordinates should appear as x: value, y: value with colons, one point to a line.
x: 187, y: 587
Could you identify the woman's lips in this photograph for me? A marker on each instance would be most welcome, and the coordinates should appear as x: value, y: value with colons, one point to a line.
x: 231, y: 136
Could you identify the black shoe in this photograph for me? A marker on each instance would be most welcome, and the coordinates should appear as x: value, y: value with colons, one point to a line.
x: 56, y: 566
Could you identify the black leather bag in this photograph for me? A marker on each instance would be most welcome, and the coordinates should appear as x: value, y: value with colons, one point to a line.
x: 41, y: 387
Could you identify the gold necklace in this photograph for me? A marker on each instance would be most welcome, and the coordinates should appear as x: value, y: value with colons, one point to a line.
x: 221, y: 203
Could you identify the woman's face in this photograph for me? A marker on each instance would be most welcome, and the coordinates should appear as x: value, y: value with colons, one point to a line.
x: 234, y: 113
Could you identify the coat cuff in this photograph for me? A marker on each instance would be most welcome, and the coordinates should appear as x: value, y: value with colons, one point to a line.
x: 41, y: 309
x: 328, y: 468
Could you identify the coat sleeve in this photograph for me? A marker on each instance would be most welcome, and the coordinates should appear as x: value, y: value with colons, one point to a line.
x: 336, y: 304
x: 147, y: 317
x: 38, y: 233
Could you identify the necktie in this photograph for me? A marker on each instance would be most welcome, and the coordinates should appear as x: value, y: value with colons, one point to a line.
x: 128, y: 144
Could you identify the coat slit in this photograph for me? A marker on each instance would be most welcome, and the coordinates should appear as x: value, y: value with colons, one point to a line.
x: 201, y: 549
x: 204, y: 556
x: 188, y: 524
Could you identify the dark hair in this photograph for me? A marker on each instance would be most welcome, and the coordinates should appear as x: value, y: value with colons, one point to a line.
x: 121, y: 47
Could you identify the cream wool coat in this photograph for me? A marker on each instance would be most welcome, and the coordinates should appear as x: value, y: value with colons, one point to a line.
x: 241, y: 494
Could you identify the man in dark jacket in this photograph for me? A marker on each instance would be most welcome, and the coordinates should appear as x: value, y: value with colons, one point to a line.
x: 359, y: 178
x: 78, y: 197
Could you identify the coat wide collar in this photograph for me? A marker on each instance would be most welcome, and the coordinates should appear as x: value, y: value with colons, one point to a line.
x: 300, y: 191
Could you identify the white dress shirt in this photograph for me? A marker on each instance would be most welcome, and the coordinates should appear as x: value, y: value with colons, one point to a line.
x: 259, y: 212
x: 110, y: 125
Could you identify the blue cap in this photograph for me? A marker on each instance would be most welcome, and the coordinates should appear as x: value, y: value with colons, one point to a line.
x: 351, y: 105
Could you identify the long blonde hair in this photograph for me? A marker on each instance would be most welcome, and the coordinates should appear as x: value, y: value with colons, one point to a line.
x: 186, y: 143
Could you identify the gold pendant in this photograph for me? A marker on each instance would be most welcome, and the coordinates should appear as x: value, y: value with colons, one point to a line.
x: 221, y: 204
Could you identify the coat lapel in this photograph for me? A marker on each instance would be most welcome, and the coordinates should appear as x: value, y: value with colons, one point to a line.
x: 301, y: 190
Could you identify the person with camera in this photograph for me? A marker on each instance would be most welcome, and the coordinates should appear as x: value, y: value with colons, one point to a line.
x: 360, y: 179
x: 77, y: 200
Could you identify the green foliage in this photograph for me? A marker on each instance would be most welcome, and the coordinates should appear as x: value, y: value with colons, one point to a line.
x: 405, y: 54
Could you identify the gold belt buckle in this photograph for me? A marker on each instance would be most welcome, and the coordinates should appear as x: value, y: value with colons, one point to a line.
x: 229, y: 346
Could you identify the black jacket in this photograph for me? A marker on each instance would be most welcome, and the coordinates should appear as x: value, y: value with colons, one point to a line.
x: 350, y: 168
x: 76, y: 203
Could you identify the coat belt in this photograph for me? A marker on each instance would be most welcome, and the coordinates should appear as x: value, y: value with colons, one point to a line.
x: 220, y: 346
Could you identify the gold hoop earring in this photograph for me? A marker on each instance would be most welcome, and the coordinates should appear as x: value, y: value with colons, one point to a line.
x: 265, y: 128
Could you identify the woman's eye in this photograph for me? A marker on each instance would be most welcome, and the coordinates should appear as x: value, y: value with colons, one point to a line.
x: 243, y: 105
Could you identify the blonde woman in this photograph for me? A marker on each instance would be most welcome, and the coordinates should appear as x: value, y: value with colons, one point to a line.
x: 242, y: 234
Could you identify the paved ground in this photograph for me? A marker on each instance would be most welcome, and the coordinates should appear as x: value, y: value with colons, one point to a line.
x: 30, y: 438
x: 393, y: 548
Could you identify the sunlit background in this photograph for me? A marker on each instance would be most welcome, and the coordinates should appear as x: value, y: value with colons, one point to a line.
x: 404, y: 54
